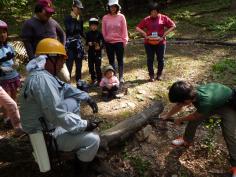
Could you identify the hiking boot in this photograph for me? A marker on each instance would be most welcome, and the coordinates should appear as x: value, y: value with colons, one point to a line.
x: 233, y: 171
x: 81, y: 169
x: 180, y: 142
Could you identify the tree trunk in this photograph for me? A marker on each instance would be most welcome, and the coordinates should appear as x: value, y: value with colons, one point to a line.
x: 233, y: 5
x: 126, y: 128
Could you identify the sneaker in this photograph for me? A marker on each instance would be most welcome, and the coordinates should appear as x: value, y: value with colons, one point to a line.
x: 180, y: 142
x: 151, y: 79
x: 159, y: 78
x: 233, y: 171
x: 121, y: 80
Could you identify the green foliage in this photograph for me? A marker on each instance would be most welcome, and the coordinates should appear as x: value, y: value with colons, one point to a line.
x: 228, y: 65
x: 212, y: 124
x: 207, y: 15
x: 229, y: 24
x: 140, y: 165
x: 14, y: 5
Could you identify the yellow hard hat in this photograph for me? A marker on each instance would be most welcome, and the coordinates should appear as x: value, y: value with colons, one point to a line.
x: 50, y: 46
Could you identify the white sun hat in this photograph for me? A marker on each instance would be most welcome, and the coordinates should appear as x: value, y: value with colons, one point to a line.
x: 114, y: 2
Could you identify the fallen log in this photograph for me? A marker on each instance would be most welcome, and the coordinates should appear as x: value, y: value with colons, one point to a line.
x: 126, y: 128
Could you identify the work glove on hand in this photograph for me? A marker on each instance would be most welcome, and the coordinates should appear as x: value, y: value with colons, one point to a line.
x: 9, y: 55
x: 92, y: 124
x: 6, y: 69
x: 93, y: 105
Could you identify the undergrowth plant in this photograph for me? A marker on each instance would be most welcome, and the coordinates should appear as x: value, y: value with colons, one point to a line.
x: 212, y: 125
x: 140, y: 165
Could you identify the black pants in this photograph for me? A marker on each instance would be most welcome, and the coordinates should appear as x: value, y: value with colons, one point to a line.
x: 72, y: 53
x: 151, y: 50
x: 94, y: 64
x: 118, y: 50
x: 109, y: 92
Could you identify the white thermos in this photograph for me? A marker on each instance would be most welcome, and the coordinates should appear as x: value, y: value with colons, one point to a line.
x: 40, y: 152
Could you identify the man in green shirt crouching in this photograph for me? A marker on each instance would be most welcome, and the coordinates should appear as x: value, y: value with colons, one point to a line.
x: 209, y: 99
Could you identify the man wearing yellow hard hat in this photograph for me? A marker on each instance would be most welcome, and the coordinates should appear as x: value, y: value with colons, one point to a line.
x: 44, y: 95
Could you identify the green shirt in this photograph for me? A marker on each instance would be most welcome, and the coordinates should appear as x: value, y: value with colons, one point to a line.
x: 211, y: 96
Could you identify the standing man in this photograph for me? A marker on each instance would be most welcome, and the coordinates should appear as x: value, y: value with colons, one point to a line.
x: 41, y: 26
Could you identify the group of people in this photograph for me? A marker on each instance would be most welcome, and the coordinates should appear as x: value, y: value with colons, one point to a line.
x: 47, y: 91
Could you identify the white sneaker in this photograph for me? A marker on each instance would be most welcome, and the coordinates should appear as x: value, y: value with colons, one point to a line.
x: 178, y: 141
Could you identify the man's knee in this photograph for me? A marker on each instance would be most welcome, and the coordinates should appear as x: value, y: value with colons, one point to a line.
x: 94, y: 138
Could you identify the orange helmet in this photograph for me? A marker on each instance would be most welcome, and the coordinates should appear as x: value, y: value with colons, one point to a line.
x: 50, y: 46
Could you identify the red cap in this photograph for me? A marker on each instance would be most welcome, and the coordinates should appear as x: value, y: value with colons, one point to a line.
x: 47, y: 5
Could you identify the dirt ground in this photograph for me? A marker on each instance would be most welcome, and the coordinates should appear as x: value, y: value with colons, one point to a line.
x: 152, y: 156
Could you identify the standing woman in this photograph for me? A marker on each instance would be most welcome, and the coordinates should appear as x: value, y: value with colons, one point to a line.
x: 154, y: 29
x: 114, y: 30
x: 74, y: 32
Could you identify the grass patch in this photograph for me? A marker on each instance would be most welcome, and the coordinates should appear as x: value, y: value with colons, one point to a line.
x: 225, y: 71
x: 225, y: 65
x: 141, y: 166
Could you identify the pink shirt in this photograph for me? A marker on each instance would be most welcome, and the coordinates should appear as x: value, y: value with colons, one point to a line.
x: 113, y: 80
x: 114, y: 28
x: 158, y: 25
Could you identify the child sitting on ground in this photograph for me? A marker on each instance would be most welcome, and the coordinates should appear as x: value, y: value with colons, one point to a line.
x: 109, y: 83
x: 95, y: 41
x: 9, y: 78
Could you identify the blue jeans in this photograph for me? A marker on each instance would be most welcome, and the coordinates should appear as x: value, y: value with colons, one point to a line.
x: 118, y: 50
x: 151, y: 50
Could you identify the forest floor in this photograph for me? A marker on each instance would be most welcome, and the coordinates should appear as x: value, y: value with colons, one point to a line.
x: 153, y: 155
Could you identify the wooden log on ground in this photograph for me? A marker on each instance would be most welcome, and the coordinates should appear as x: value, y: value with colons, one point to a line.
x: 126, y: 128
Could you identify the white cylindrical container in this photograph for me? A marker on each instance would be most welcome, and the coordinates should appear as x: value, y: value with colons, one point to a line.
x: 40, y: 152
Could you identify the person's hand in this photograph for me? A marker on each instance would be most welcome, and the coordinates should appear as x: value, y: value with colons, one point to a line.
x: 92, y: 124
x: 178, y: 121
x: 97, y: 46
x: 109, y: 86
x: 6, y: 69
x: 164, y: 116
x: 144, y: 35
x: 161, y: 38
x: 93, y: 105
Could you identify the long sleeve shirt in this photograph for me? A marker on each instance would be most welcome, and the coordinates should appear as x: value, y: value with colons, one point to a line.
x: 43, y: 95
x: 74, y: 27
x: 105, y: 82
x: 34, y: 30
x: 6, y: 63
x: 95, y: 37
x: 114, y: 28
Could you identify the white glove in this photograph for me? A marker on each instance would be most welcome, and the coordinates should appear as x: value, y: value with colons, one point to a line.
x: 6, y: 69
